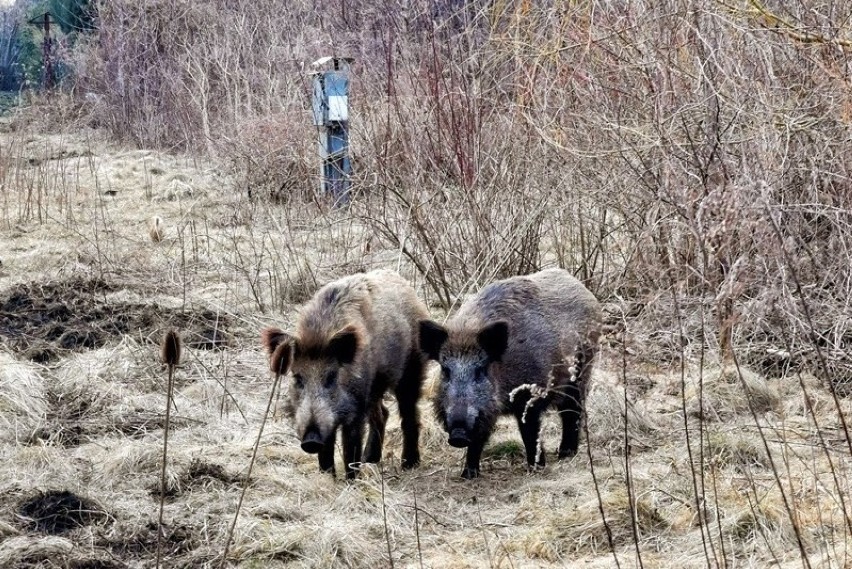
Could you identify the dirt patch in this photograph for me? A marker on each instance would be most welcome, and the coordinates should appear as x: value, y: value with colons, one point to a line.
x: 58, y: 512
x: 201, y: 473
x: 49, y: 516
x: 43, y: 321
x: 201, y: 476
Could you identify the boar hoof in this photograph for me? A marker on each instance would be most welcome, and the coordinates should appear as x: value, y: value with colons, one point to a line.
x: 312, y: 442
x: 409, y: 463
x: 470, y: 473
x: 563, y: 454
x: 459, y: 438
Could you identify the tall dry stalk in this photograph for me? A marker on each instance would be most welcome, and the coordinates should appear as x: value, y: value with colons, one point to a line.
x: 417, y: 531
x: 170, y: 350
x: 278, y: 362
x: 385, y: 517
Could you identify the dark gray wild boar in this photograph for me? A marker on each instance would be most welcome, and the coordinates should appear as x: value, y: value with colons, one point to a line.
x: 354, y: 340
x: 518, y: 346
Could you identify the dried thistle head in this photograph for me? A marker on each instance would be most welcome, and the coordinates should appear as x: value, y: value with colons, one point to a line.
x: 156, y: 229
x: 170, y: 348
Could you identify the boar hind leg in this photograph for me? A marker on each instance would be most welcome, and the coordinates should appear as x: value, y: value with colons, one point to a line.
x: 570, y: 404
x: 528, y: 415
x: 351, y: 437
x: 378, y: 420
x: 529, y: 423
x: 407, y: 394
x: 570, y: 411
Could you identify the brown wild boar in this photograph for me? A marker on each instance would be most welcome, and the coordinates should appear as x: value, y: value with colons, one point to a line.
x: 518, y: 346
x: 354, y: 340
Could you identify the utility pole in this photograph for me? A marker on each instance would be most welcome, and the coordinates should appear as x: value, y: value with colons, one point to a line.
x: 48, y: 78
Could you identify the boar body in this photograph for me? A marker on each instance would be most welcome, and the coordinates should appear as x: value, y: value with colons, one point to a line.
x: 517, y: 347
x: 355, y: 339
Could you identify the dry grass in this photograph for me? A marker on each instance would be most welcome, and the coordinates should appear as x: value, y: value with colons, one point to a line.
x: 111, y: 399
x: 719, y: 393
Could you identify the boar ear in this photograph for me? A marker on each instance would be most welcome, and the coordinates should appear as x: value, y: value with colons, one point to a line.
x: 432, y: 337
x: 271, y: 337
x: 280, y: 346
x: 344, y: 345
x: 494, y: 339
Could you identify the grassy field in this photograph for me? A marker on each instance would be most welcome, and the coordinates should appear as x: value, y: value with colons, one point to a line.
x: 675, y: 472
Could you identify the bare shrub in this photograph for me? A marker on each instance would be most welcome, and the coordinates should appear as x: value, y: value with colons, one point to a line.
x: 182, y: 72
x: 269, y: 158
x: 460, y: 185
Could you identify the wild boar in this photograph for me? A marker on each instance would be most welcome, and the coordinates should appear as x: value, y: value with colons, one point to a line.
x: 517, y: 347
x: 355, y: 339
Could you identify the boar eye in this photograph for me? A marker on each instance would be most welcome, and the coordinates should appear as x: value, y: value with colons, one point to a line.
x: 298, y: 381
x: 330, y: 379
x: 445, y: 372
x: 481, y: 373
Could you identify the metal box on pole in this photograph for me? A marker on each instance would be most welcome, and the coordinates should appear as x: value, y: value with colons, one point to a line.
x: 331, y: 117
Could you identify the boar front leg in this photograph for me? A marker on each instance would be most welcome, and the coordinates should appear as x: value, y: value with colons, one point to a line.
x: 352, y: 439
x: 471, y: 463
x: 407, y: 394
x: 326, y: 456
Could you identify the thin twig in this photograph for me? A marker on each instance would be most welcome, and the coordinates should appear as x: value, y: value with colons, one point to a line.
x: 628, y: 477
x: 250, y: 467
x: 484, y: 536
x: 417, y: 530
x: 598, y: 493
x: 385, y: 515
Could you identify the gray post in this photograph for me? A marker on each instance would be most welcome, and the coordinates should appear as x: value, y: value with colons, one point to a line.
x: 331, y: 117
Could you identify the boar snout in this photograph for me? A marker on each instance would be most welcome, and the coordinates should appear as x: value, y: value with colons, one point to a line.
x: 460, y: 426
x: 459, y: 437
x: 312, y: 442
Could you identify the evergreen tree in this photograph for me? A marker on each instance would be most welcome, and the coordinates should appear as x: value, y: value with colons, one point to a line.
x: 73, y: 16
